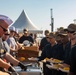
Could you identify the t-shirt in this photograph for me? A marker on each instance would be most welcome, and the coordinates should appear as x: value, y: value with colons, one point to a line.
x: 11, y: 42
x: 23, y: 38
x: 43, y: 43
x: 67, y: 53
x: 6, y: 46
x: 49, y: 51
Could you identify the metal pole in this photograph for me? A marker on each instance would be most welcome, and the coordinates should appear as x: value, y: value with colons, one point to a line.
x: 52, y: 21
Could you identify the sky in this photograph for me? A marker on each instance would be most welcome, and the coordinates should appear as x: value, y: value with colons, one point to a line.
x: 64, y: 11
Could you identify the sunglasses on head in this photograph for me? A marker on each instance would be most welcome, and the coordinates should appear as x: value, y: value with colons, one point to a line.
x: 3, y: 29
x: 70, y: 31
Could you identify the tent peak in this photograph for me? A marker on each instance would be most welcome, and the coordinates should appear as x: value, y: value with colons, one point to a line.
x: 23, y: 21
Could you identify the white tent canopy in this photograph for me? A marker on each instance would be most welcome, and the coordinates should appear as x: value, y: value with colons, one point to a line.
x: 24, y: 22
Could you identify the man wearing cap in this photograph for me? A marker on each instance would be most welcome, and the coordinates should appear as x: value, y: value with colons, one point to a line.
x: 26, y: 37
x: 70, y: 31
x: 51, y: 50
x: 73, y: 56
x: 11, y: 41
x: 4, y: 53
x: 2, y: 30
x: 64, y: 38
x: 73, y: 51
x: 63, y: 42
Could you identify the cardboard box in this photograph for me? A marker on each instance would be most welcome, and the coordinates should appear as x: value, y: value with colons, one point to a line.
x: 26, y: 53
x: 30, y: 48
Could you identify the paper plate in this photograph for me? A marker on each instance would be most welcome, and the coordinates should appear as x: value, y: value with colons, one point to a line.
x: 33, y: 59
x: 51, y: 67
x: 46, y: 59
x: 54, y: 61
x: 61, y: 69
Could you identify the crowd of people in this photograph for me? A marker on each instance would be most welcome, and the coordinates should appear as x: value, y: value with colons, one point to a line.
x: 59, y: 45
x: 8, y: 48
x: 62, y: 46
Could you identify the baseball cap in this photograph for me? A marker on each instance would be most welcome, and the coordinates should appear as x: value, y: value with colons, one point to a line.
x: 12, y: 28
x: 6, y: 19
x: 71, y: 27
x: 51, y: 35
x: 3, y: 24
x: 63, y: 33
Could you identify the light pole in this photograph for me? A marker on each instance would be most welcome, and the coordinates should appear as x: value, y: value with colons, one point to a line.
x: 52, y: 20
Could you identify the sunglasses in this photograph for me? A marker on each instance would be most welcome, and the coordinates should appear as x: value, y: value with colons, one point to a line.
x: 3, y: 29
x: 70, y: 31
x: 7, y: 34
x: 74, y: 33
x: 12, y: 31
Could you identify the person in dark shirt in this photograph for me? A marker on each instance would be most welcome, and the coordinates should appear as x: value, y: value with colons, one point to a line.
x: 70, y: 30
x: 73, y: 56
x: 68, y: 48
x: 44, y: 40
x: 26, y: 37
x: 64, y: 39
x: 73, y: 61
x: 67, y: 53
x: 52, y: 50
